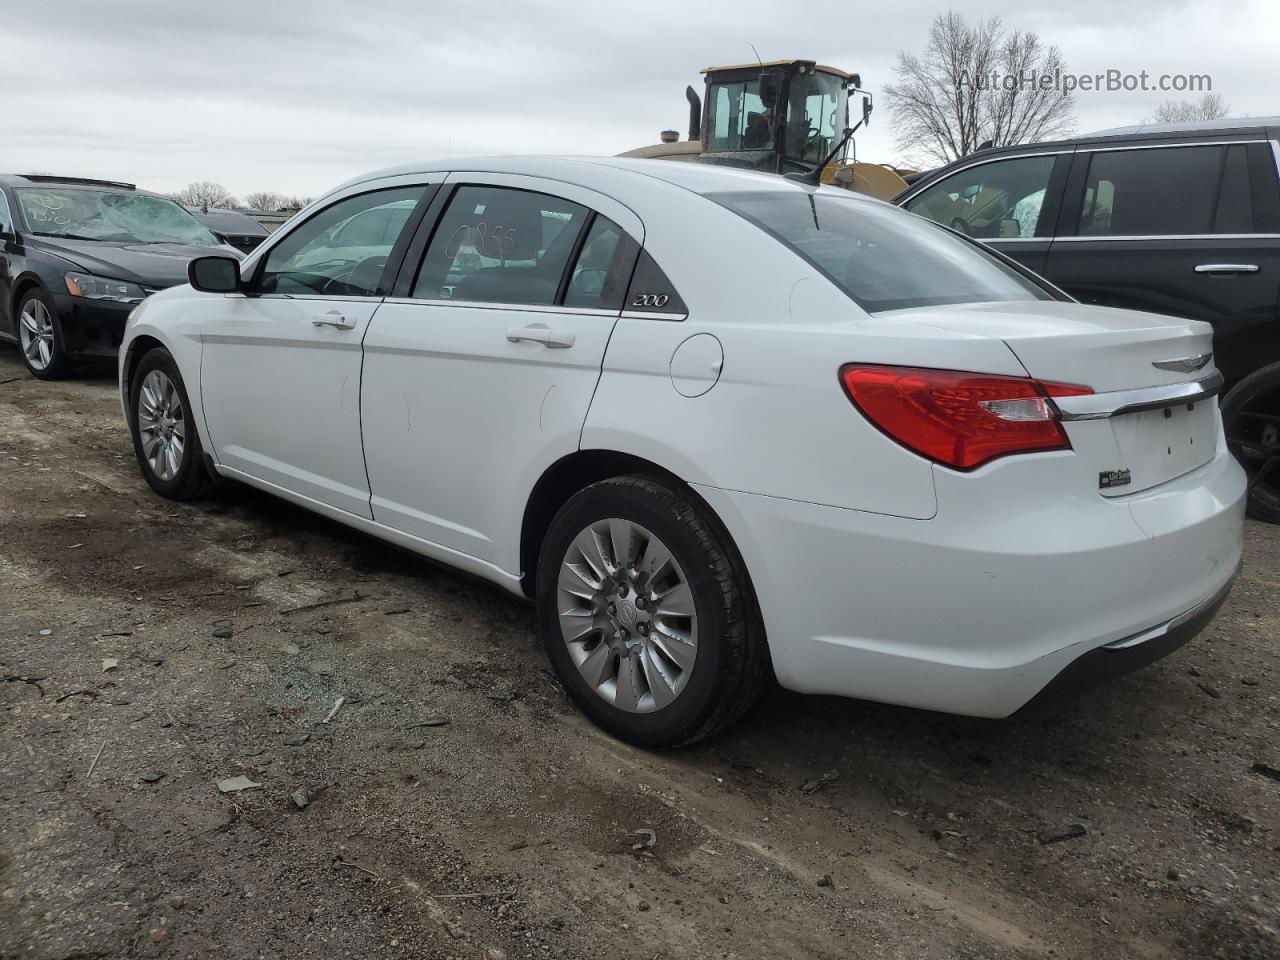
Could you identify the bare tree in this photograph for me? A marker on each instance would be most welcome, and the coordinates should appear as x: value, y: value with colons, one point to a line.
x: 205, y: 194
x: 264, y: 200
x: 1211, y: 106
x: 975, y: 85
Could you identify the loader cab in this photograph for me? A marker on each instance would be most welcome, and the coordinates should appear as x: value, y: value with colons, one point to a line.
x: 776, y: 117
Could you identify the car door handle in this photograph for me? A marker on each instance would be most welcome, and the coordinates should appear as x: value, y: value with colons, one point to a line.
x: 541, y: 333
x: 1227, y: 268
x: 334, y: 319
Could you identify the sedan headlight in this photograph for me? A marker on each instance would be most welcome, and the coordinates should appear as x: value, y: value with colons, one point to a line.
x: 101, y: 288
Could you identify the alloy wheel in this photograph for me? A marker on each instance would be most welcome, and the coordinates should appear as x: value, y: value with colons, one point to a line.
x: 162, y: 425
x: 35, y: 330
x: 627, y: 615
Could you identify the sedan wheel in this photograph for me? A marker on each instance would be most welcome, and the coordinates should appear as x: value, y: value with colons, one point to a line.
x: 647, y: 613
x: 39, y: 338
x: 627, y: 615
x: 162, y: 425
x: 165, y: 439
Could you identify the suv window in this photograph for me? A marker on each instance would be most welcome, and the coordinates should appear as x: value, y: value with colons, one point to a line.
x: 997, y: 200
x: 603, y: 268
x: 500, y: 245
x: 883, y: 258
x: 325, y: 256
x: 1151, y: 192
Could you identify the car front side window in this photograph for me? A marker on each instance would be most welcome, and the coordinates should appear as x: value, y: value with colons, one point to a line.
x: 999, y: 200
x: 500, y: 245
x: 343, y: 250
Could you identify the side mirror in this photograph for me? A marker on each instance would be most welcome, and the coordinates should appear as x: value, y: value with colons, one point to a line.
x: 214, y: 274
x: 1010, y: 228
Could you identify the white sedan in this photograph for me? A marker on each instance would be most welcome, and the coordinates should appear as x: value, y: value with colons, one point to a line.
x: 722, y: 427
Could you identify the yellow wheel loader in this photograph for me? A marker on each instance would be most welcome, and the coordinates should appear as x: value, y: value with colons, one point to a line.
x: 789, y: 117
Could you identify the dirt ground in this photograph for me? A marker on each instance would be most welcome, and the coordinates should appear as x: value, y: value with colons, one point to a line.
x: 234, y: 626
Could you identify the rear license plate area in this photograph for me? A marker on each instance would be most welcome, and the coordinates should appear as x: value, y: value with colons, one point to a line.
x: 1159, y: 445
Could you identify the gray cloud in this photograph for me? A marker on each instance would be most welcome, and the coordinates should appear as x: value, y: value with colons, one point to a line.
x: 295, y: 96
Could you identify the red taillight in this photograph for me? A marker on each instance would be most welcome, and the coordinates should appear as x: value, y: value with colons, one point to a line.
x: 959, y: 419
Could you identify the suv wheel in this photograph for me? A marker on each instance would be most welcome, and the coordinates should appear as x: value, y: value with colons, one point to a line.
x: 647, y: 613
x: 40, y: 337
x: 1251, y: 416
x: 165, y: 439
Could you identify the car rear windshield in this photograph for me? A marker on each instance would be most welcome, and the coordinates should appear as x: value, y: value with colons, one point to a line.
x: 113, y: 216
x: 882, y: 257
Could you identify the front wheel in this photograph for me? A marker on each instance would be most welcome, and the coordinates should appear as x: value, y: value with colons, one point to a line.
x: 647, y: 613
x: 40, y: 337
x: 1251, y: 418
x: 165, y: 439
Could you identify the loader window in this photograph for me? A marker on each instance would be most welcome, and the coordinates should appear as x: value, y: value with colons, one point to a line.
x: 817, y: 111
x: 739, y: 118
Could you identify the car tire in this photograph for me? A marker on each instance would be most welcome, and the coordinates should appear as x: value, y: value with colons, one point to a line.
x: 1251, y: 417
x: 651, y: 688
x: 159, y: 415
x: 40, y: 339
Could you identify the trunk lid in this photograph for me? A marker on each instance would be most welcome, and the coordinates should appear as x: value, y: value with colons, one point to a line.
x: 1106, y: 350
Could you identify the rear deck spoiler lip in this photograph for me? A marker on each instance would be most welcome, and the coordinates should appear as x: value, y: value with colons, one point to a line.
x: 1101, y: 406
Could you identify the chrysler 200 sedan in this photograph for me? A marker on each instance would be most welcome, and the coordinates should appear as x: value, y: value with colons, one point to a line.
x: 722, y: 427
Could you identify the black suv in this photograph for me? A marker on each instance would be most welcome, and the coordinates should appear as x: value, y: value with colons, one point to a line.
x: 76, y: 256
x: 1181, y: 219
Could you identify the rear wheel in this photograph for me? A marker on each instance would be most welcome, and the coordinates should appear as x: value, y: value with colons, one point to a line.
x: 1251, y: 416
x: 647, y: 613
x: 40, y: 337
x: 165, y: 439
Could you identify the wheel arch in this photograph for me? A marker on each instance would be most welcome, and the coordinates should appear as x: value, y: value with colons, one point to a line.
x: 138, y: 348
x: 24, y: 282
x: 578, y: 470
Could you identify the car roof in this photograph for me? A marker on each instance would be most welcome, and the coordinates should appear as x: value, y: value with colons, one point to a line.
x: 607, y: 174
x: 1232, y: 126
x: 52, y: 180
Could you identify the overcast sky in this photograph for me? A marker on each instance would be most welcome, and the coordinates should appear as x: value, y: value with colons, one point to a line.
x: 297, y: 96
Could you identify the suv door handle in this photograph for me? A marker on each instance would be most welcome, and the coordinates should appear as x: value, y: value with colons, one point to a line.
x: 334, y: 319
x: 541, y: 333
x: 1227, y: 268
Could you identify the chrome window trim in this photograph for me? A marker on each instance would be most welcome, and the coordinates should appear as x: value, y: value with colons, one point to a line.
x: 345, y: 298
x: 524, y: 307
x: 1168, y: 146
x: 1077, y: 238
x: 1101, y: 406
x: 653, y: 315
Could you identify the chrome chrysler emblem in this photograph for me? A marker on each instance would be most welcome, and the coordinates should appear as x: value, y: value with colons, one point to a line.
x: 1184, y: 364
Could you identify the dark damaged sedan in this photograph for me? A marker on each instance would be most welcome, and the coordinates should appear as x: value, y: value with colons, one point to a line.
x: 76, y: 256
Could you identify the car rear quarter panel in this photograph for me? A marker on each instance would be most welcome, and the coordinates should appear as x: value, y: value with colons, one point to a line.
x: 777, y: 421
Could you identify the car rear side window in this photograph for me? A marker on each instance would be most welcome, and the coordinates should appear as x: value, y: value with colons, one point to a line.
x: 883, y: 257
x: 603, y: 268
x: 500, y: 245
x: 1153, y: 192
x: 343, y: 249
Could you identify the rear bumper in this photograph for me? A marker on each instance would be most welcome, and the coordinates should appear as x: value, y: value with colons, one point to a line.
x: 979, y: 609
x: 1126, y: 655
